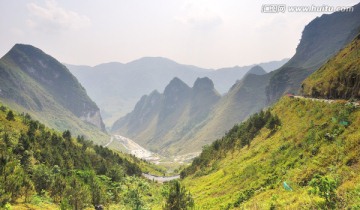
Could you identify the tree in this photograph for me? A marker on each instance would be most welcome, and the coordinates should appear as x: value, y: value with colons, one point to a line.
x: 10, y: 116
x: 28, y: 188
x: 43, y: 178
x: 13, y: 179
x: 3, y: 108
x: 77, y: 193
x: 134, y: 195
x: 67, y: 135
x: 59, y: 184
x: 178, y: 198
x: 273, y: 122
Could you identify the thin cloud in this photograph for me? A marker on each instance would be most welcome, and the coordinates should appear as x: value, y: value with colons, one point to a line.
x: 54, y: 17
x: 200, y: 17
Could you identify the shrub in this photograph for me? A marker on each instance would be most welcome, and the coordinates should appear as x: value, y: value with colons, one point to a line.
x: 324, y: 187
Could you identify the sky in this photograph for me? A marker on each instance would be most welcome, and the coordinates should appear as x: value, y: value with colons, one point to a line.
x: 205, y: 33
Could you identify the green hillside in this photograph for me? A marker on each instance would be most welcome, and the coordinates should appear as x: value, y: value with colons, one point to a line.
x: 302, y: 143
x: 36, y: 83
x: 44, y: 169
x: 339, y: 77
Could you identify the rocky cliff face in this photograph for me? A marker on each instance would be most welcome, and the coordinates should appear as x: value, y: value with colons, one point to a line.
x: 94, y: 118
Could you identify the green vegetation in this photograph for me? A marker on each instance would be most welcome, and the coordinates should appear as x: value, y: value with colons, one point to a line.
x: 322, y: 172
x: 325, y: 187
x: 238, y: 137
x: 41, y: 168
x: 178, y: 198
x: 339, y: 77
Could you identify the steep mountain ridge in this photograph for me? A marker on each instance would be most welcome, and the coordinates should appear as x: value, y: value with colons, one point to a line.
x: 34, y: 82
x: 158, y: 121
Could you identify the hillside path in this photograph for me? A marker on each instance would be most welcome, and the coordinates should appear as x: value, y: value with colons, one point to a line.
x: 329, y: 101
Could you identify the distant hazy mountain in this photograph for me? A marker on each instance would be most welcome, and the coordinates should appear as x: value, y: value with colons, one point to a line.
x: 257, y: 70
x: 321, y: 39
x: 159, y: 121
x: 32, y: 81
x: 116, y: 87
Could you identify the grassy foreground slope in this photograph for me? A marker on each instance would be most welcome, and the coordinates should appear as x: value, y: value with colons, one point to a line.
x: 310, y: 149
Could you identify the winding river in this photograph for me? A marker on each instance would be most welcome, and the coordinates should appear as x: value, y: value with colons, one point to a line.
x: 160, y: 178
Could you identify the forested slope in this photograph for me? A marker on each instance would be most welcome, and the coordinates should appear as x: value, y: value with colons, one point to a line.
x: 44, y: 169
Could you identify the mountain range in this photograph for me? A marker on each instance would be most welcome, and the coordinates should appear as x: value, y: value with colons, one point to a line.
x: 159, y: 121
x: 33, y: 82
x: 183, y: 119
x: 116, y: 87
x: 255, y: 92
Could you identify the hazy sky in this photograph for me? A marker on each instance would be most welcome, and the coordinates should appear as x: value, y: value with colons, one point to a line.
x: 206, y: 33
